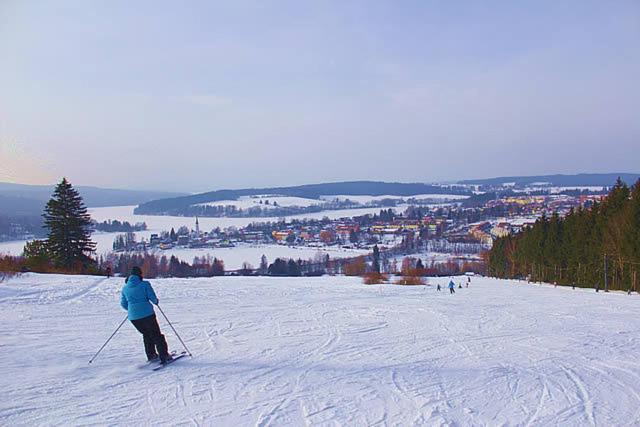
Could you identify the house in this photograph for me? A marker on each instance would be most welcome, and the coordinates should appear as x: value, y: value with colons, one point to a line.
x: 281, y: 236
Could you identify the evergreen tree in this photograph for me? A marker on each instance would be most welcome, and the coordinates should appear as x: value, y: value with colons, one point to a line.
x: 571, y: 250
x: 264, y: 265
x: 278, y: 268
x: 293, y: 268
x: 376, y: 259
x: 36, y: 249
x: 66, y: 218
x: 36, y: 253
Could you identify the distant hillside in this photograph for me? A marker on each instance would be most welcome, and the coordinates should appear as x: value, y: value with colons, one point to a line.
x: 19, y: 206
x: 179, y: 205
x: 583, y: 179
x: 20, y: 199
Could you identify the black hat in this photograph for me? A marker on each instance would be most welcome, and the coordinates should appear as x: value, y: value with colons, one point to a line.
x: 135, y: 270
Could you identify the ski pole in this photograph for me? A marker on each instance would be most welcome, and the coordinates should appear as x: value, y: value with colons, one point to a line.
x: 107, y: 342
x: 174, y: 330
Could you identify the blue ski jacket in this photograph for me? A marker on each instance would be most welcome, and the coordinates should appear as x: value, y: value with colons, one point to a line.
x: 452, y: 285
x: 137, y: 296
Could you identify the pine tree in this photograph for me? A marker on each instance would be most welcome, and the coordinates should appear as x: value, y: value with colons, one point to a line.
x: 264, y: 265
x: 66, y: 218
x: 293, y: 269
x: 376, y: 259
x: 570, y: 250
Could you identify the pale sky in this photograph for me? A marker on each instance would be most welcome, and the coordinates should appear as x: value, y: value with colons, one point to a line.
x: 203, y: 95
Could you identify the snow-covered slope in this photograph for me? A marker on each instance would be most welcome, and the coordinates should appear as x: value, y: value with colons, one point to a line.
x: 371, y: 199
x: 321, y: 351
x: 246, y: 202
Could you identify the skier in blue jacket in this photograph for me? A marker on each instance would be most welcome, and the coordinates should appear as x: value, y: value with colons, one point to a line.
x: 452, y: 287
x: 137, y: 296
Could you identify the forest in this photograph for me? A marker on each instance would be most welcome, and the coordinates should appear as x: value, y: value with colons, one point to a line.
x: 596, y: 246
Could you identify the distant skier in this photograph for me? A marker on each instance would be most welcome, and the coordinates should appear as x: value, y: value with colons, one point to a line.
x: 137, y: 296
x: 452, y: 287
x: 439, y: 287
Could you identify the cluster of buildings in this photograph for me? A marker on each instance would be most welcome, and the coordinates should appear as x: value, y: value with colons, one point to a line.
x: 526, y: 210
x: 486, y: 231
x: 528, y: 205
x: 452, y: 224
x: 346, y: 232
x: 194, y: 238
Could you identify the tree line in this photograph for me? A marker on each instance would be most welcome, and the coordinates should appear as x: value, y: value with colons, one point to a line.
x: 596, y: 246
x: 161, y: 266
x: 114, y: 226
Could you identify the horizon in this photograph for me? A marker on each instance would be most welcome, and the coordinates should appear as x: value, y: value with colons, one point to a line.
x: 448, y: 182
x: 285, y: 93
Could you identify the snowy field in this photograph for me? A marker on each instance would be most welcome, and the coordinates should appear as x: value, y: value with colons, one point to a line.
x: 246, y: 202
x: 321, y: 351
x: 371, y: 199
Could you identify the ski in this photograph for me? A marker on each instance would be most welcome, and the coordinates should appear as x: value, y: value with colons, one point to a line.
x: 176, y: 357
x: 155, y: 362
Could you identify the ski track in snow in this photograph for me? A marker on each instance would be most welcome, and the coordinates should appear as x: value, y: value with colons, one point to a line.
x: 321, y: 351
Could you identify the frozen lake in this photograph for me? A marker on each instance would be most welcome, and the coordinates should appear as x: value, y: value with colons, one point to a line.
x: 233, y: 257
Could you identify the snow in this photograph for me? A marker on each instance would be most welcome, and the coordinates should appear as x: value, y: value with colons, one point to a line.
x: 370, y: 199
x: 321, y: 351
x: 246, y: 202
x: 159, y: 223
x: 12, y: 247
x: 557, y: 190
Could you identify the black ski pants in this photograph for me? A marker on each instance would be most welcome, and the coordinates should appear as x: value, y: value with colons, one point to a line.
x: 154, y: 342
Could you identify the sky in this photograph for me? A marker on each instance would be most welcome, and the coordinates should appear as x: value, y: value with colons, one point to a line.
x: 202, y: 95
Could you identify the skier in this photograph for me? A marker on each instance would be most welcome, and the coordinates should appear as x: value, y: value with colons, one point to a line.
x: 439, y: 287
x: 137, y: 296
x: 452, y: 287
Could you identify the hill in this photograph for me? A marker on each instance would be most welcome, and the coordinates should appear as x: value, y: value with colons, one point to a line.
x: 559, y: 180
x: 178, y: 205
x: 20, y: 206
x: 21, y: 199
x: 497, y: 353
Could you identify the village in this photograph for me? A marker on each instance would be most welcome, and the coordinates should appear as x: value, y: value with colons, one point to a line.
x: 453, y: 227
